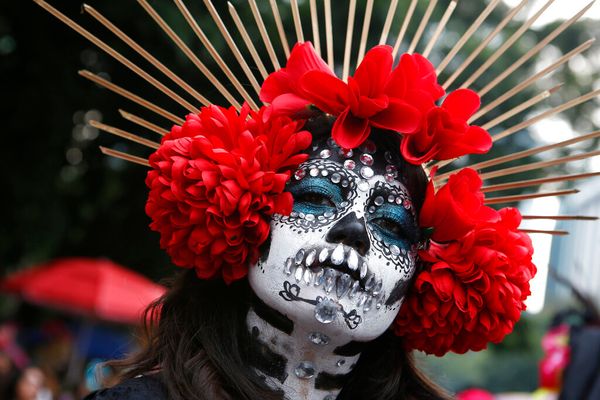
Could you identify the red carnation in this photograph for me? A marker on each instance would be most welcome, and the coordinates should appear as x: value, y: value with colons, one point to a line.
x: 214, y: 183
x: 376, y: 96
x: 446, y: 133
x: 472, y: 290
x: 456, y: 208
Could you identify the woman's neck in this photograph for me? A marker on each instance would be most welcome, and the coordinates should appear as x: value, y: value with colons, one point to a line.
x: 301, y: 364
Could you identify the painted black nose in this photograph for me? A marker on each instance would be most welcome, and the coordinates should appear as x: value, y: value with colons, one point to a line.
x: 352, y: 232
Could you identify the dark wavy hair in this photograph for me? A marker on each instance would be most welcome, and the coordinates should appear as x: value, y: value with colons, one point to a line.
x: 201, y: 346
x: 200, y: 350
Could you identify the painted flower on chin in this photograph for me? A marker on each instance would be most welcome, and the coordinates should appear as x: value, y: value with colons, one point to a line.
x: 214, y: 183
x: 376, y: 96
x: 445, y: 133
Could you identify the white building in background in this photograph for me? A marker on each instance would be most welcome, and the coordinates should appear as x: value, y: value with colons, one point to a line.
x: 577, y: 256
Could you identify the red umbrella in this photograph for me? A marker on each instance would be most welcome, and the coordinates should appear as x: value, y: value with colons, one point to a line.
x: 95, y: 288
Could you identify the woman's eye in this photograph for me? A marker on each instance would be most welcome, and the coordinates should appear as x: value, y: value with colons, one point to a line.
x: 315, y: 199
x: 389, y: 226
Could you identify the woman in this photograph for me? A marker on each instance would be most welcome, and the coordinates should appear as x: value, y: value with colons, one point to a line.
x: 329, y: 239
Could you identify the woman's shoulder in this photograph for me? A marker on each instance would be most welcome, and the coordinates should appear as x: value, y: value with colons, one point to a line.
x: 139, y: 388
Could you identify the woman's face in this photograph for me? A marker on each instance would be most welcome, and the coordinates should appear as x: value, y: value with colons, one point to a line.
x: 341, y: 262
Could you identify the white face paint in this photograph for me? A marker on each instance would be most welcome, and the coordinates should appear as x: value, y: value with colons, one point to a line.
x: 340, y: 264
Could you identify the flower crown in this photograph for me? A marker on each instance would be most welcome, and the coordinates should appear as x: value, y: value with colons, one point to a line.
x: 218, y: 178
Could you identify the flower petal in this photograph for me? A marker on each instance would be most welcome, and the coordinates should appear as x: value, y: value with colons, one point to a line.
x: 462, y: 103
x: 399, y: 116
x: 373, y: 72
x: 350, y: 132
x: 326, y: 92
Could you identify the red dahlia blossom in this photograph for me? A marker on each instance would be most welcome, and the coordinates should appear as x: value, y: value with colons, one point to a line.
x: 472, y: 290
x: 214, y: 183
x: 456, y: 208
x: 445, y: 133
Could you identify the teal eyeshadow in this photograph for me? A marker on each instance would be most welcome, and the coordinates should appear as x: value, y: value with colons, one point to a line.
x: 400, y: 216
x: 321, y: 186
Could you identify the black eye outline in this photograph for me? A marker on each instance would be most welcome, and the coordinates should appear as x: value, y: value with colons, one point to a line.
x: 391, y: 226
x: 315, y: 199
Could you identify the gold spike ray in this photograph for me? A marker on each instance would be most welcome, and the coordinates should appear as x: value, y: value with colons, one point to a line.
x: 133, y: 97
x: 388, y: 21
x: 297, y: 21
x: 143, y: 123
x: 521, y: 197
x: 556, y: 110
x: 533, y: 51
x: 214, y: 54
x: 483, y: 44
x: 467, y: 35
x: 538, y: 165
x: 537, y: 182
x: 280, y: 29
x: 117, y: 56
x: 246, y: 37
x: 261, y: 28
x: 543, y: 232
x: 561, y: 217
x: 314, y: 20
x: 365, y: 32
x: 405, y: 23
x: 329, y: 35
x: 144, y: 53
x: 348, y: 45
x: 124, y: 156
x: 188, y: 52
x: 422, y: 25
x: 521, y: 107
x: 529, y: 81
x: 440, y: 28
x: 232, y: 46
x: 124, y: 134
x: 524, y: 153
x: 507, y: 44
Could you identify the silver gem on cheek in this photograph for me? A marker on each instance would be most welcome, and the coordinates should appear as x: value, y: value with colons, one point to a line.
x: 318, y: 338
x: 326, y: 311
x: 305, y: 370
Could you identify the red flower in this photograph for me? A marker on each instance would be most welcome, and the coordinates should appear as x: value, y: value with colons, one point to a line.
x: 282, y: 88
x: 474, y: 394
x: 471, y: 291
x: 456, y: 208
x: 375, y: 96
x: 214, y: 183
x: 445, y: 133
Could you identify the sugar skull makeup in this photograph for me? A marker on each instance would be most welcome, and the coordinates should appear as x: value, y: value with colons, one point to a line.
x: 341, y: 262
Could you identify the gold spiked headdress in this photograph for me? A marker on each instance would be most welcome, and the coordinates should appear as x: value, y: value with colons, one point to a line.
x: 242, y: 90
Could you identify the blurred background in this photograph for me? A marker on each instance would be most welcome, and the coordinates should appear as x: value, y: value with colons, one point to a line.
x: 64, y: 199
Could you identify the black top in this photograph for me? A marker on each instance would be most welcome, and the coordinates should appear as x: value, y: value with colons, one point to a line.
x: 142, y: 388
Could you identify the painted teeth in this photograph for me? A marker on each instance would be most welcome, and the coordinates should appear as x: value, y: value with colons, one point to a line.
x: 362, y: 299
x: 287, y: 268
x: 329, y: 279
x: 379, y: 301
x: 370, y: 283
x: 337, y: 257
x: 299, y: 256
x: 352, y: 260
x: 343, y: 285
x: 304, y: 268
x: 318, y: 277
x: 310, y: 258
x: 363, y: 270
x: 377, y: 288
x: 323, y: 255
x: 307, y: 276
x: 368, y: 303
x: 299, y: 273
x: 354, y: 290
